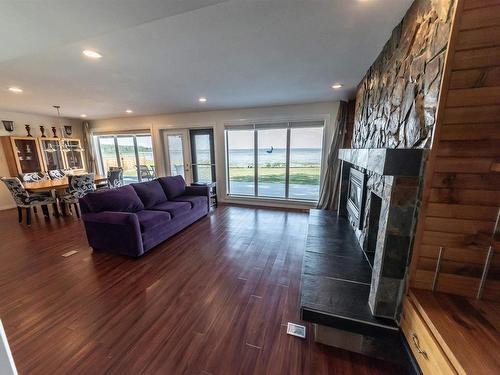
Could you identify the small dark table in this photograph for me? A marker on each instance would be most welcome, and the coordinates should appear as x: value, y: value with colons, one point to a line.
x: 212, y: 186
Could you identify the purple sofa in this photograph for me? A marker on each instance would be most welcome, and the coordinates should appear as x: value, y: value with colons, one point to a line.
x: 133, y: 219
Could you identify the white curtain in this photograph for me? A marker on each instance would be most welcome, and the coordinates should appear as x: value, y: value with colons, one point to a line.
x: 329, y: 189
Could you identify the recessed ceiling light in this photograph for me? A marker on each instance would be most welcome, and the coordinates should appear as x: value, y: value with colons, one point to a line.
x: 83, y: 115
x: 91, y: 54
x: 129, y: 111
x: 337, y: 86
x: 202, y: 99
x: 17, y: 90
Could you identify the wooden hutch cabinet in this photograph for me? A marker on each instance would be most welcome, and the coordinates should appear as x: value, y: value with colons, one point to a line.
x: 52, y: 154
x: 23, y: 154
x: 73, y: 154
x: 35, y: 154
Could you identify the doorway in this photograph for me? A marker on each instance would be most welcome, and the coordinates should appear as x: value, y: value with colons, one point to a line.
x: 190, y: 154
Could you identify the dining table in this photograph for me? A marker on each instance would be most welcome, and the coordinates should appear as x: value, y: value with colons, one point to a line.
x: 56, y: 188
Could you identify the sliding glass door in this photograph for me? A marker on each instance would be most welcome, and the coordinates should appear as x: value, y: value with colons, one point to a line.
x: 127, y: 157
x: 280, y: 161
x: 132, y: 152
x: 240, y: 154
x: 305, y: 163
x: 271, y: 159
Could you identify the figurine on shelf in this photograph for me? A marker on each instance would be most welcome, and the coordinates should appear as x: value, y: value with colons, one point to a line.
x: 28, y: 129
x: 42, y: 130
x: 54, y: 131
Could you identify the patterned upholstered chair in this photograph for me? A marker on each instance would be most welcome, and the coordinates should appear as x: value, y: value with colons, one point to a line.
x: 25, y: 200
x: 115, y: 178
x: 145, y: 173
x: 56, y: 174
x: 34, y: 176
x: 79, y: 186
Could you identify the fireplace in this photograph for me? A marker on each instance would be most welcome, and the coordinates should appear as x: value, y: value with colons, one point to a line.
x: 378, y: 195
x: 356, y: 197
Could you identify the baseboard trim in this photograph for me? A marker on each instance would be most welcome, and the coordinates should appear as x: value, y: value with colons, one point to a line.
x: 7, y: 207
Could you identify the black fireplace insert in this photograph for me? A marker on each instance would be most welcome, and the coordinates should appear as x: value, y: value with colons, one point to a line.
x: 356, y: 197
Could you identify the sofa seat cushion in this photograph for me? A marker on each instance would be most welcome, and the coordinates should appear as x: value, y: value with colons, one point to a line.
x: 194, y: 200
x: 151, y: 220
x: 175, y: 209
x: 151, y: 193
x: 173, y: 186
x: 122, y: 199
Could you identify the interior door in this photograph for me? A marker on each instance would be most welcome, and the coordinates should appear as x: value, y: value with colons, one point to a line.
x: 178, y: 155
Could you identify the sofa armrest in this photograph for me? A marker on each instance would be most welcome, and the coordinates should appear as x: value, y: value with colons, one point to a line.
x: 197, y: 190
x: 118, y: 232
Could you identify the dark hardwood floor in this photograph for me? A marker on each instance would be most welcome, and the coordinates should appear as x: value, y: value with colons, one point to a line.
x: 214, y: 299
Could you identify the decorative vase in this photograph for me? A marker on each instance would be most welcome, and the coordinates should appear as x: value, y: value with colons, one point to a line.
x: 28, y: 130
x: 42, y: 130
x: 54, y: 131
x: 8, y: 125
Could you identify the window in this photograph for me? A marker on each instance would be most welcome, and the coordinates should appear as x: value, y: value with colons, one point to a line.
x: 241, y: 162
x: 132, y: 152
x: 280, y: 160
x: 305, y: 162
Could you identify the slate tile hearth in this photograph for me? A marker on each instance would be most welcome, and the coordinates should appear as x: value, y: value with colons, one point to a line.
x: 336, y: 278
x: 354, y: 268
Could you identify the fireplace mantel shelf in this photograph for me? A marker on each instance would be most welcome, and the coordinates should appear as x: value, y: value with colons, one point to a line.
x: 385, y: 161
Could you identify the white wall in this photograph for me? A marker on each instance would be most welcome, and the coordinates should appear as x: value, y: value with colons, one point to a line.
x: 35, y: 121
x: 217, y: 120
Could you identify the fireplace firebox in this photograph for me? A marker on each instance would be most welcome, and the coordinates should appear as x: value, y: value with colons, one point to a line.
x: 356, y: 197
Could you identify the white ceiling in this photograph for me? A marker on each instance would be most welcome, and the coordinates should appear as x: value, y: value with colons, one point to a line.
x: 161, y: 55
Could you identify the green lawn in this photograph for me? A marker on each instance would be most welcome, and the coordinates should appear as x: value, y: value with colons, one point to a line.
x: 300, y: 176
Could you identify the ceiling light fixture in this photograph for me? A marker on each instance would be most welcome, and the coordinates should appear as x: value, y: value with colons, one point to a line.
x: 83, y: 115
x: 91, y: 54
x: 202, y: 99
x: 17, y: 90
x: 129, y: 111
x: 337, y: 86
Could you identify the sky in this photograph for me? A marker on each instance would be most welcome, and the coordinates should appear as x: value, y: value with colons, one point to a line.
x: 299, y: 138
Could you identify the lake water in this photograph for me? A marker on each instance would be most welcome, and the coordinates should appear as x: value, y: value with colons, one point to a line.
x: 244, y: 158
x: 299, y: 157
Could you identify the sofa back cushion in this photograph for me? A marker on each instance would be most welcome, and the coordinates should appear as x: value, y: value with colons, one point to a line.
x: 122, y: 199
x: 151, y: 193
x: 173, y: 186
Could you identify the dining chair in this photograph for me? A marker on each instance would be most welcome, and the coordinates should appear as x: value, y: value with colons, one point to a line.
x: 145, y: 173
x: 78, y: 187
x: 56, y: 174
x: 115, y: 178
x: 26, y: 200
x: 34, y: 176
x: 153, y: 171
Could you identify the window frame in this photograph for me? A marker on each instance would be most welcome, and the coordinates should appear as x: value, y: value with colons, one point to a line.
x: 256, y: 126
x: 115, y: 136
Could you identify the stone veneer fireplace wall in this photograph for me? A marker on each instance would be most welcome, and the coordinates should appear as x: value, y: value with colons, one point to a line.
x: 394, y: 117
x: 397, y: 99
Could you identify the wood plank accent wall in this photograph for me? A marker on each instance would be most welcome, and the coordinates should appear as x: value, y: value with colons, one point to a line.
x: 461, y: 196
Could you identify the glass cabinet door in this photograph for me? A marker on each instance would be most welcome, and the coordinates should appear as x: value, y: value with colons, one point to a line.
x: 27, y: 155
x: 74, y: 153
x: 52, y: 154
